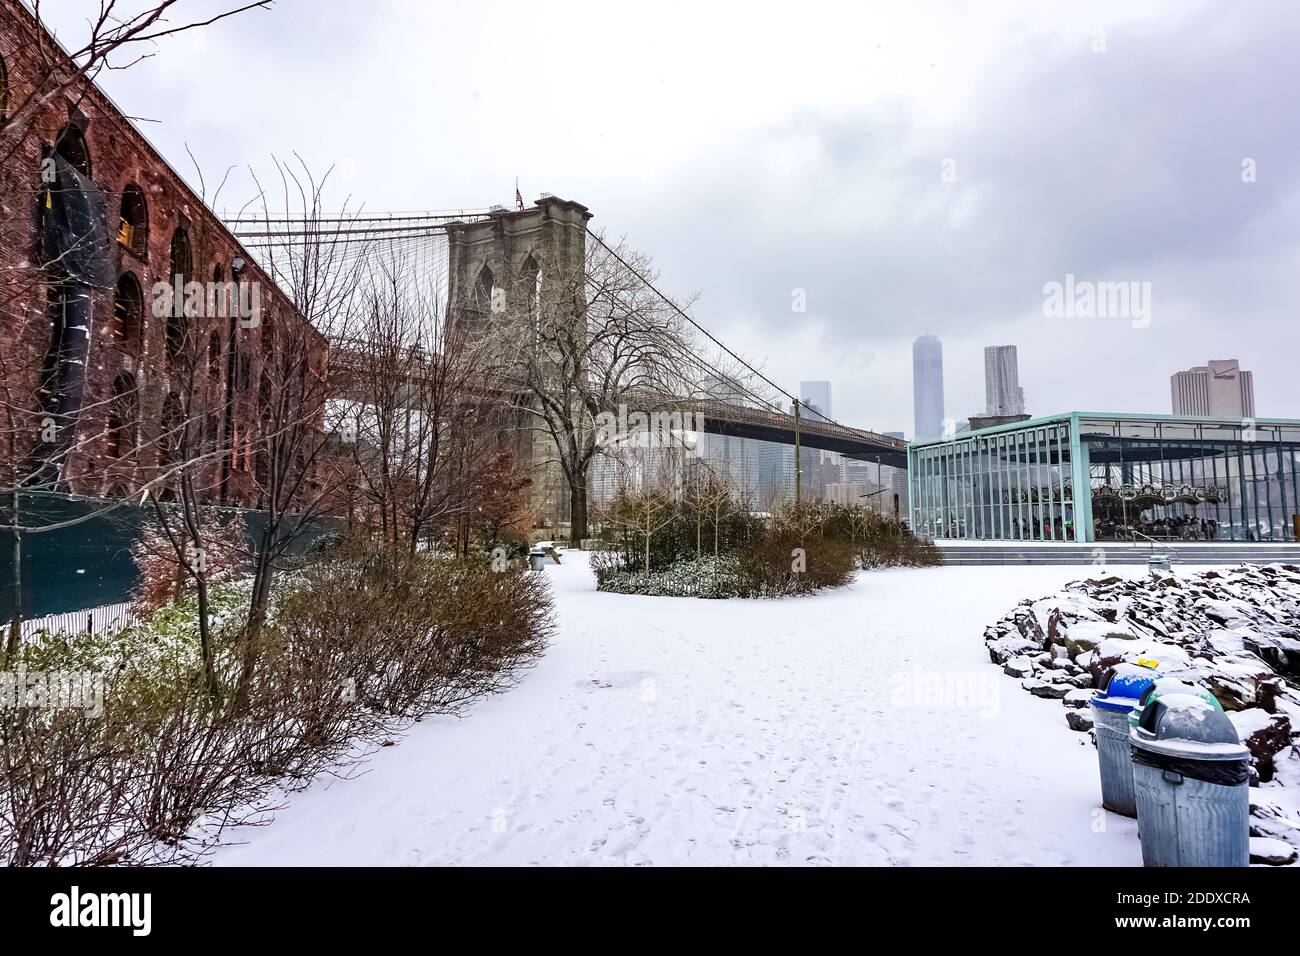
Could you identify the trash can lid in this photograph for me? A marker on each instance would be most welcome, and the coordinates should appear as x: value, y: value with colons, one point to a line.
x: 1175, y: 685
x: 1122, y: 686
x: 1171, y: 685
x: 1186, y: 725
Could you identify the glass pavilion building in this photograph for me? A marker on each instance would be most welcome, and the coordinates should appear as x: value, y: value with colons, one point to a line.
x: 1086, y: 477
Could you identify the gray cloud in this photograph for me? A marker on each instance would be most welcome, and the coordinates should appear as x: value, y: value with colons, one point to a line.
x: 755, y: 154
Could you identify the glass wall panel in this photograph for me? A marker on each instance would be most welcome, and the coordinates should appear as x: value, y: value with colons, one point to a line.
x: 1167, y: 480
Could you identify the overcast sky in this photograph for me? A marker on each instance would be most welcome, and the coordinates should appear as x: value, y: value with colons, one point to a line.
x: 915, y: 168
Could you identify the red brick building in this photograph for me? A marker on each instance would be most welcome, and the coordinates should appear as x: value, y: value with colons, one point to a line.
x: 97, y: 357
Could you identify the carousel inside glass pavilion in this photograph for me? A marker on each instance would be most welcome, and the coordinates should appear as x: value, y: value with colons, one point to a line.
x: 1148, y: 477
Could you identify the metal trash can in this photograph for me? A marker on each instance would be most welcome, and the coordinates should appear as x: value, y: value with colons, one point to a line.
x: 1190, y: 774
x: 1169, y: 685
x: 536, y: 559
x: 1120, y: 690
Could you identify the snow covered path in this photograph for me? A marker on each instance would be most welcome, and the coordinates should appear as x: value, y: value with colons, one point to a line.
x: 858, y: 727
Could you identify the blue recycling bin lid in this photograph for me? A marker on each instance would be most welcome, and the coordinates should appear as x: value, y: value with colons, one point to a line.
x: 1123, y: 687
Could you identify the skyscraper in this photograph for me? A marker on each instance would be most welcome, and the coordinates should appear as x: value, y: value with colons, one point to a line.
x: 816, y: 398
x: 927, y: 387
x: 1218, y: 389
x: 819, y: 468
x: 1002, y: 392
x: 776, y: 483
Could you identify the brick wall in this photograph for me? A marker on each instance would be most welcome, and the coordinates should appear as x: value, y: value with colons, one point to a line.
x: 120, y: 157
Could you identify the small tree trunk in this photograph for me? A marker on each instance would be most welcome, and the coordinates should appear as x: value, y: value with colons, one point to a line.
x: 256, y: 619
x: 577, y: 514
x: 205, y: 637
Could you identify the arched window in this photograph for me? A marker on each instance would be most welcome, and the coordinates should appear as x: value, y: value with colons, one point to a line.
x: 71, y: 145
x: 181, y: 267
x: 133, y: 223
x: 483, y: 290
x: 268, y: 337
x: 218, y: 298
x: 128, y: 311
x: 173, y: 432
x: 122, y: 408
x: 478, y: 307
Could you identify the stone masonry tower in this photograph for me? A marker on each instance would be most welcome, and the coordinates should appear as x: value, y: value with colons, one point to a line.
x: 505, y: 265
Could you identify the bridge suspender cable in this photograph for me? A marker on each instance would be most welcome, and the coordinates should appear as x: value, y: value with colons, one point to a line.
x: 711, y: 337
x: 676, y: 308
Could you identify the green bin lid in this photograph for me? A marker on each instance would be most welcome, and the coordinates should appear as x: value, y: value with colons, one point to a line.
x: 1170, y: 685
x: 1187, y: 726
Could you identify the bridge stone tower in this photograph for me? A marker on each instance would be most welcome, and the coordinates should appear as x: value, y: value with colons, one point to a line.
x: 498, y: 266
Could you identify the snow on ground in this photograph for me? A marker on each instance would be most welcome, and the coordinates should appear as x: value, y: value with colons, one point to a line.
x: 856, y: 727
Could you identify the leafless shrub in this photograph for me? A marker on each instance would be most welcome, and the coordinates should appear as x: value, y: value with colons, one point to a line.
x: 356, y: 649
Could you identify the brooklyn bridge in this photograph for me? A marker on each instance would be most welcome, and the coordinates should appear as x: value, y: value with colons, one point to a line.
x: 461, y: 251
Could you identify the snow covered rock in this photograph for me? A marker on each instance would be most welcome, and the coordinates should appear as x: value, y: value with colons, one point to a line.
x: 1273, y: 852
x: 1043, y: 689
x: 1019, y: 667
x: 1004, y: 647
x: 1264, y: 735
x: 1234, y: 632
x: 1078, y: 721
x: 1077, y: 698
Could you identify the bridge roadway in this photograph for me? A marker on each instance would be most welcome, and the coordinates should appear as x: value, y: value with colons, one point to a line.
x: 723, y: 418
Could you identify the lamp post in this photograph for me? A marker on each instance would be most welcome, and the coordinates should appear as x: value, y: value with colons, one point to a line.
x: 798, y: 464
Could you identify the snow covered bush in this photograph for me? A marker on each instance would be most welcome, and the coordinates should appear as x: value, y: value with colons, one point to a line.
x: 655, y: 543
x: 709, y: 577
x: 353, y: 649
x: 795, y: 556
x: 784, y: 558
x: 878, y: 540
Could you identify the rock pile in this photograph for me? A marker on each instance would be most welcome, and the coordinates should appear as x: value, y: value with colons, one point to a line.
x: 1235, y: 632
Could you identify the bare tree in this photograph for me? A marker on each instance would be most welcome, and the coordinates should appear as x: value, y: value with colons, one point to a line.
x: 189, y: 454
x: 293, y: 434
x: 582, y: 342
x: 641, y: 513
x: 419, y: 414
x: 708, y: 496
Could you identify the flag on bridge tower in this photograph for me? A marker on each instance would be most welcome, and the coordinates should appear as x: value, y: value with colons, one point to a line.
x: 519, y: 197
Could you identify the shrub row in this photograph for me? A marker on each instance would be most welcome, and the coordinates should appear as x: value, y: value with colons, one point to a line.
x: 353, y: 651
x: 794, y: 551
